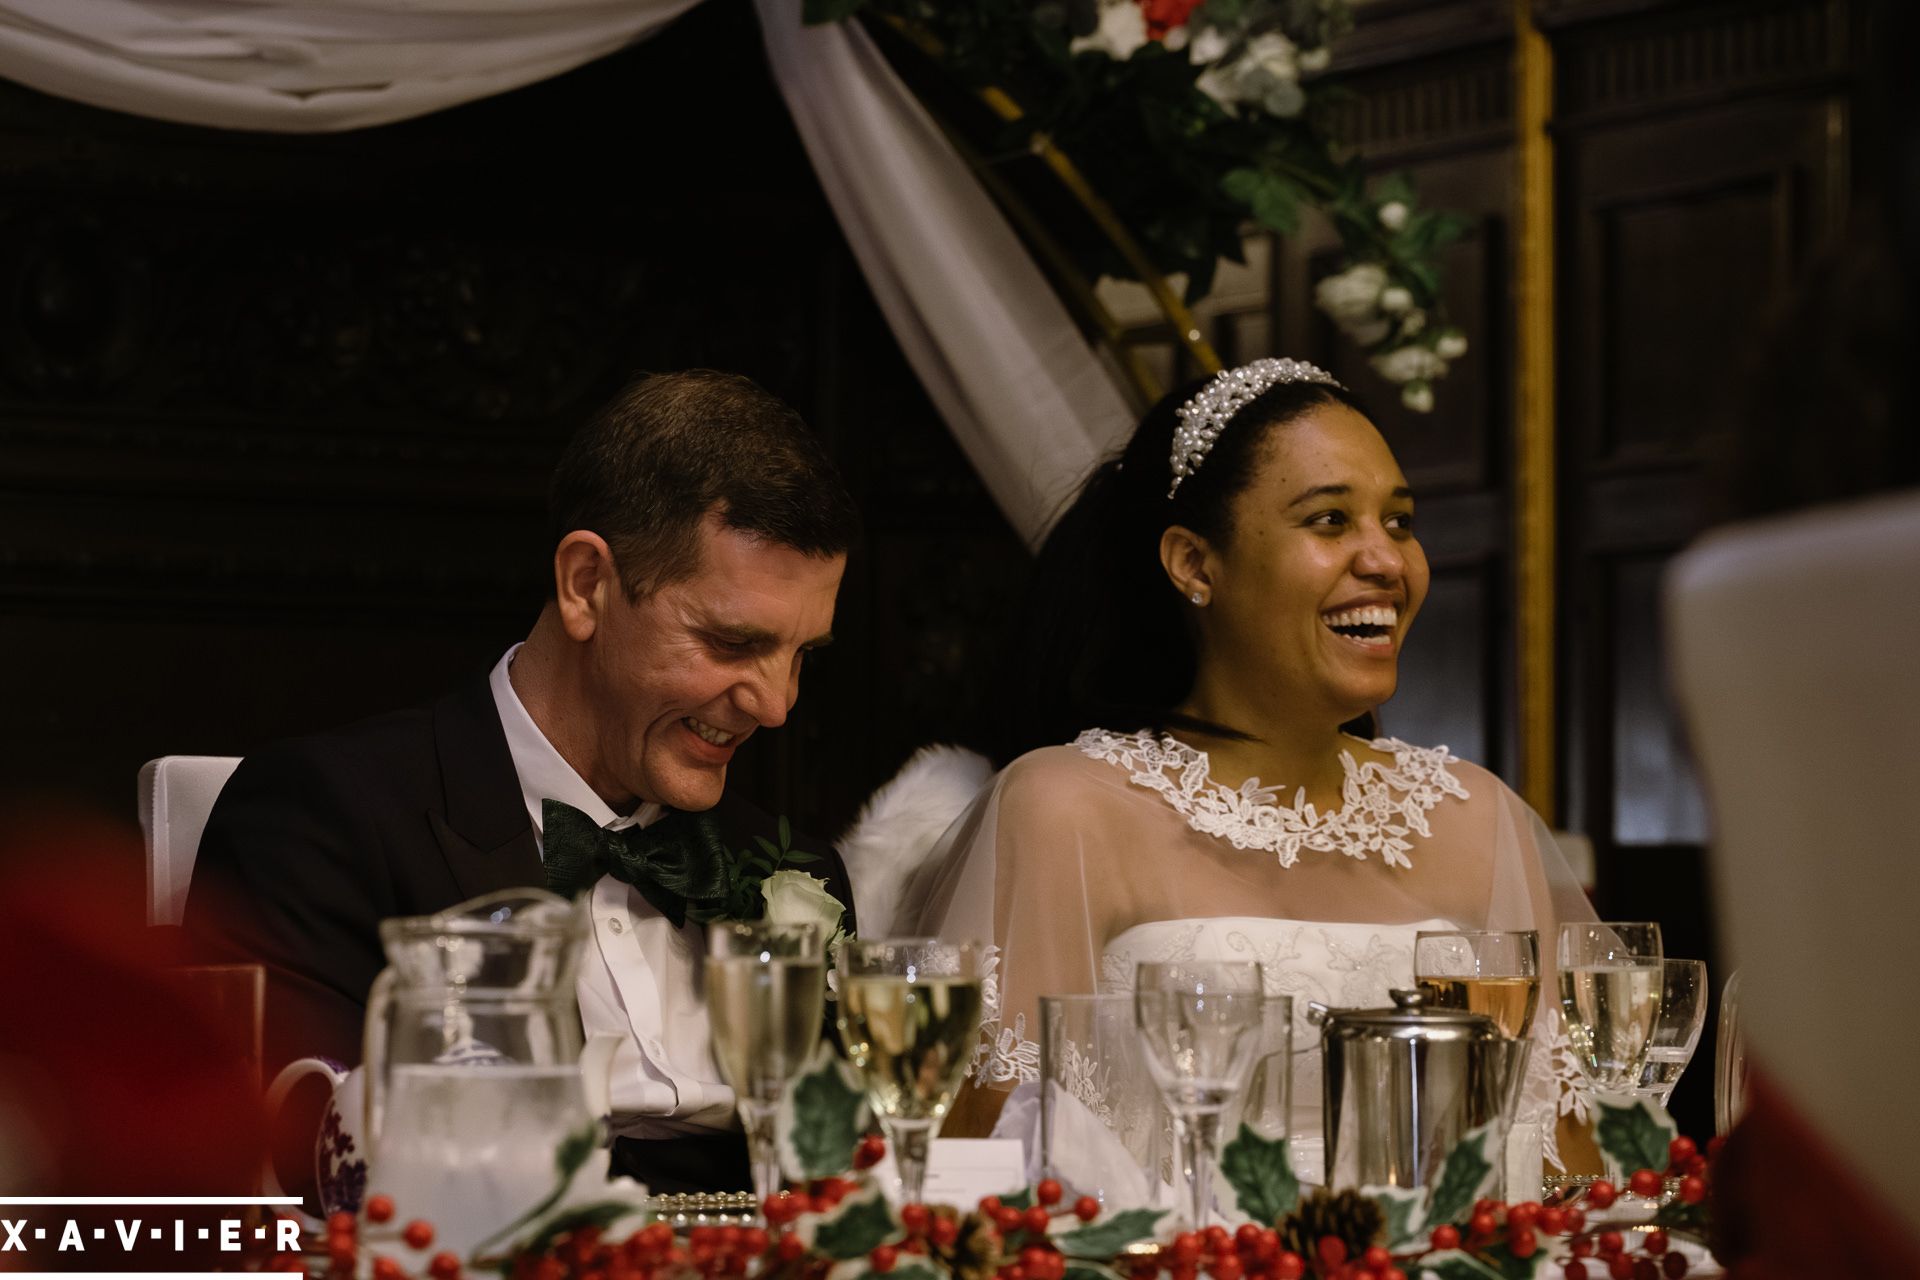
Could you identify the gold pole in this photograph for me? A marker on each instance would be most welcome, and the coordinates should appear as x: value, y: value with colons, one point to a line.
x: 1533, y: 419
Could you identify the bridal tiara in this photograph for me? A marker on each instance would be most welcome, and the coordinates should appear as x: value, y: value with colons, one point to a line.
x: 1203, y: 418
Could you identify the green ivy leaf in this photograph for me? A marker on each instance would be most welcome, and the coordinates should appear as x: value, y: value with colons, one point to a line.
x: 1100, y: 1241
x: 1261, y: 1176
x: 1454, y: 1265
x: 1632, y: 1132
x: 822, y: 1118
x: 1401, y: 1208
x: 856, y: 1228
x: 1466, y: 1175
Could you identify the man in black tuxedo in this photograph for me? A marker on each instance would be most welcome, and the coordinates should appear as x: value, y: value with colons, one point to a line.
x: 701, y: 533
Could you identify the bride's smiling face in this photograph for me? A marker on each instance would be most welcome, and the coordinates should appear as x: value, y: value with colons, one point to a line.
x: 1311, y: 595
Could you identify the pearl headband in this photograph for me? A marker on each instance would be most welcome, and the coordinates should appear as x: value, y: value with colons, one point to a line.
x: 1203, y: 418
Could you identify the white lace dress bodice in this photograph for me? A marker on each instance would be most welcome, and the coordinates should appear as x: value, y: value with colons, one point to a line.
x: 1079, y: 862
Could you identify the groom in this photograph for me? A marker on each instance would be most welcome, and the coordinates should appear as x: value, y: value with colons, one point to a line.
x: 700, y: 537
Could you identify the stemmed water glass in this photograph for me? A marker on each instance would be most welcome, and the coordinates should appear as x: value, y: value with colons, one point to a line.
x: 910, y: 1017
x: 766, y: 991
x: 1610, y: 979
x: 1676, y: 1033
x: 1200, y: 1023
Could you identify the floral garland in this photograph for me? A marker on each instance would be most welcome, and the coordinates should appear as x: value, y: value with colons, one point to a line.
x: 836, y: 1227
x: 1190, y: 118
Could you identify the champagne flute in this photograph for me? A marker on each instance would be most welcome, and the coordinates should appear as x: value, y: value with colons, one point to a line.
x: 766, y: 992
x: 1495, y: 973
x: 1610, y: 975
x: 1683, y: 1011
x: 910, y: 1017
x: 1200, y: 1022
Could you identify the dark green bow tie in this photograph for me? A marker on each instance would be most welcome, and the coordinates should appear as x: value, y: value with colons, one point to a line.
x: 675, y: 862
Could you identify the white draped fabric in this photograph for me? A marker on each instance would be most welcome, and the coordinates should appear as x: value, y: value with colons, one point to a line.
x: 998, y: 354
x: 994, y: 348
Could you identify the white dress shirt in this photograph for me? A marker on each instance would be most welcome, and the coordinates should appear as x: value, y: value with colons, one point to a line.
x: 640, y: 978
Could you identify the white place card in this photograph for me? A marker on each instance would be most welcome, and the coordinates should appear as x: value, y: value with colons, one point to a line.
x: 962, y: 1170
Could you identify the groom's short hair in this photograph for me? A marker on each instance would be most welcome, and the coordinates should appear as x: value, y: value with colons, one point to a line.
x: 646, y: 469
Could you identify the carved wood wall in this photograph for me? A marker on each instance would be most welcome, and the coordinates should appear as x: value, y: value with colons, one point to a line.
x: 276, y: 412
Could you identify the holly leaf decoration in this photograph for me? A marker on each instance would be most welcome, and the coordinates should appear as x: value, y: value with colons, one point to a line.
x: 1455, y: 1265
x: 1021, y: 1199
x: 1508, y: 1267
x: 1401, y: 1208
x: 821, y: 1119
x: 1261, y: 1176
x: 1467, y: 1174
x: 1684, y: 1219
x: 1100, y: 1241
x: 598, y: 1216
x: 1631, y: 1132
x: 855, y: 1228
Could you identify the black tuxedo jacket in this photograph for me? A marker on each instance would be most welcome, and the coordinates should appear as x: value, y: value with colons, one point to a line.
x: 314, y: 841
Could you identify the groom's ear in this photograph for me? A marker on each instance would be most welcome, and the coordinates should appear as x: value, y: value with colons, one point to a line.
x: 1188, y: 559
x: 584, y: 582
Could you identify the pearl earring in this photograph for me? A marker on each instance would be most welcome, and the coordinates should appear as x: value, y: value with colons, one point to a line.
x: 1197, y: 598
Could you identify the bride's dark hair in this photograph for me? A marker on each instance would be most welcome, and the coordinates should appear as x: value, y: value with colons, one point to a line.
x: 1101, y: 638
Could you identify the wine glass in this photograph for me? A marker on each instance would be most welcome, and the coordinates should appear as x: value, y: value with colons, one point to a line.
x: 1200, y: 1022
x: 1610, y: 976
x: 766, y: 992
x: 1730, y: 1060
x: 910, y: 1016
x: 1683, y: 1011
x: 1494, y: 973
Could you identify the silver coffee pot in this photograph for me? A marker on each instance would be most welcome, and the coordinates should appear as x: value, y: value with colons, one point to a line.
x: 1402, y: 1085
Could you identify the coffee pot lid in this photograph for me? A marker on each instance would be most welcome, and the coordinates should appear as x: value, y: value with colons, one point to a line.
x: 1411, y: 1017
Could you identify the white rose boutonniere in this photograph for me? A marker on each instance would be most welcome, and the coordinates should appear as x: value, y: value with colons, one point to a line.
x: 794, y: 897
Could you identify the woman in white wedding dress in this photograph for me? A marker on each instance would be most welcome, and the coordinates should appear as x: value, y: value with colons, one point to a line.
x: 1219, y: 611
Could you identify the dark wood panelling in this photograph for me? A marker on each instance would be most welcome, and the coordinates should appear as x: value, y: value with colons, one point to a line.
x: 276, y: 412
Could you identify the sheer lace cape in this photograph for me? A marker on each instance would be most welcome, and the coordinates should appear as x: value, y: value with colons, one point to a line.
x: 1071, y: 847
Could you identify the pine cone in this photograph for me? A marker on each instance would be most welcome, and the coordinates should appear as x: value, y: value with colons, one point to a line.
x: 1347, y: 1215
x: 975, y: 1254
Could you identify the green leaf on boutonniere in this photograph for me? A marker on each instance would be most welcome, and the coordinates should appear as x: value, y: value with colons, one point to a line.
x: 1261, y: 1176
x: 1632, y: 1132
x: 1401, y: 1209
x: 1467, y: 1174
x: 856, y: 1227
x: 821, y: 1118
x: 1100, y: 1241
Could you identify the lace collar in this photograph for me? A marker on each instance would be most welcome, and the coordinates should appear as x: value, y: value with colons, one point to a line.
x: 1380, y: 805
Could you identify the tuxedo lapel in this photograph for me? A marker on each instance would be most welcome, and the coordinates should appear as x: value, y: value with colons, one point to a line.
x: 485, y: 835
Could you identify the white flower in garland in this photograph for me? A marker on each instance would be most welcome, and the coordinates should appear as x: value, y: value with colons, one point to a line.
x: 1353, y: 296
x: 1122, y: 29
x: 1409, y: 364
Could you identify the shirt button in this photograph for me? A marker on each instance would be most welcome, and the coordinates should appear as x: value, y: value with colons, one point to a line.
x: 616, y: 926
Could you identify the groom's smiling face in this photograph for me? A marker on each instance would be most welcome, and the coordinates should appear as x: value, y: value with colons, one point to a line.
x: 679, y: 678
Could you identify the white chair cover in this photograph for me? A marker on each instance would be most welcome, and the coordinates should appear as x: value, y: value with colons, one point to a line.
x: 176, y: 795
x: 1793, y: 646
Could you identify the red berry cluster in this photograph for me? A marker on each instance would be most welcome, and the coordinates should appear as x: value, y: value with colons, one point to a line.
x: 1250, y: 1251
x: 343, y: 1246
x: 1024, y: 1230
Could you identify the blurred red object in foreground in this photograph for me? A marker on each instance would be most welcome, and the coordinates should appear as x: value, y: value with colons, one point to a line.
x: 1787, y: 1205
x: 111, y: 1081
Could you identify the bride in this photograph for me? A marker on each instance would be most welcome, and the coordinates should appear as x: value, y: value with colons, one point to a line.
x: 1213, y: 622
